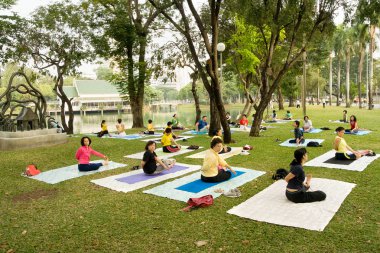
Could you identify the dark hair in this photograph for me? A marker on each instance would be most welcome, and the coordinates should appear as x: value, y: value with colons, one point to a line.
x: 169, y: 123
x: 305, y: 117
x: 297, y: 123
x: 204, y: 116
x: 345, y: 111
x: 82, y: 140
x: 339, y: 129
x: 216, y: 131
x: 274, y: 111
x: 103, y: 121
x: 119, y: 121
x: 354, y: 117
x: 215, y: 141
x: 150, y: 121
x: 253, y: 115
x: 245, y: 115
x: 174, y: 114
x: 288, y: 111
x: 227, y: 112
x: 168, y: 130
x: 148, y: 144
x: 298, y: 155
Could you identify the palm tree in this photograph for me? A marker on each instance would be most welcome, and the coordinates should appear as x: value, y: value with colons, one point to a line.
x: 338, y: 48
x: 348, y: 41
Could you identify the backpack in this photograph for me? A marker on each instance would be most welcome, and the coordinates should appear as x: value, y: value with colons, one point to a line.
x: 313, y: 144
x: 280, y: 174
x: 193, y: 147
x: 31, y: 170
x: 203, y: 201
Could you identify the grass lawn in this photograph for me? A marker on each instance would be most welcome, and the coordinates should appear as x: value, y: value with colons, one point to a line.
x: 78, y: 216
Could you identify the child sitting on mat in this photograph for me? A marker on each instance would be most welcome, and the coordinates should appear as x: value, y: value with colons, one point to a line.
x: 297, y: 189
x: 168, y: 143
x: 151, y: 164
x: 308, y: 125
x: 150, y: 128
x: 214, y: 168
x: 341, y: 148
x: 169, y: 125
x: 120, y: 128
x: 288, y: 116
x: 84, y: 153
x: 218, y: 134
x: 298, y: 135
x: 354, y: 128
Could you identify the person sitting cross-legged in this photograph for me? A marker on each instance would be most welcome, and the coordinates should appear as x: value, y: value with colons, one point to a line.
x: 214, y: 168
x: 169, y: 145
x: 151, y: 164
x: 218, y: 134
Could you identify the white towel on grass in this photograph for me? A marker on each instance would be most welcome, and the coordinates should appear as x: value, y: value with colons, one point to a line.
x: 168, y: 190
x: 357, y: 165
x: 113, y: 184
x: 159, y: 139
x: 294, y: 145
x: 272, y: 206
x: 62, y: 174
x: 234, y: 151
x: 161, y: 154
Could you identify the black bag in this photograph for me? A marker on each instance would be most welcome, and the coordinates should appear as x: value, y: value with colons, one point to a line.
x: 280, y: 174
x: 313, y: 144
x: 325, y: 128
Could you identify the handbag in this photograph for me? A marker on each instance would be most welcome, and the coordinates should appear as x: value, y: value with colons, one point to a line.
x: 203, y: 201
x: 31, y: 170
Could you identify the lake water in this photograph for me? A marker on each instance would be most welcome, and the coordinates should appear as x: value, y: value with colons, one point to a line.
x: 186, y: 115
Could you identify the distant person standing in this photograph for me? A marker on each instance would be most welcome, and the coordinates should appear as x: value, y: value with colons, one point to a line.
x: 298, y: 103
x: 324, y: 103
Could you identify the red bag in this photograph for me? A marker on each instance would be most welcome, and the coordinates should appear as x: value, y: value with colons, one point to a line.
x: 31, y: 170
x: 203, y: 201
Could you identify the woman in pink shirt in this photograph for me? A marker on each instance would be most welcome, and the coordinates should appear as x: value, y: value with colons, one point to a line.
x: 84, y: 153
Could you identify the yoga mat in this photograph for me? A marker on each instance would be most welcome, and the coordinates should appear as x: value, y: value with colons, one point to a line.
x: 356, y: 165
x: 338, y: 121
x: 360, y: 132
x: 272, y: 206
x: 198, y: 185
x: 294, y: 145
x: 161, y: 154
x: 333, y: 160
x: 62, y: 174
x: 132, y: 179
x: 158, y: 140
x: 125, y: 137
x: 169, y: 190
x: 195, y: 132
x: 138, y: 179
x: 234, y: 151
x: 313, y: 131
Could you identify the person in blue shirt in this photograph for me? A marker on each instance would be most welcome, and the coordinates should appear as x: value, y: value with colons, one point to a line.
x: 201, y: 125
x: 298, y: 134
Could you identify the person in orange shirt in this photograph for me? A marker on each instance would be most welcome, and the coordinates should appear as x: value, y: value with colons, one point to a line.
x: 244, y: 122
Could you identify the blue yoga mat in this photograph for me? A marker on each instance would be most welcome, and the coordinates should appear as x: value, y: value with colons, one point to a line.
x: 198, y: 185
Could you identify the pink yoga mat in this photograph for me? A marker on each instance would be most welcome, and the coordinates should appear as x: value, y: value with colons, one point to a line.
x: 142, y: 176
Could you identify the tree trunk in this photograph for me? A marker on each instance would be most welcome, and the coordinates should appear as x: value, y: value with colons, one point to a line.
x: 214, y: 116
x: 280, y: 99
x: 338, y: 84
x: 360, y: 72
x: 260, y: 109
x: 370, y: 83
x: 348, y: 103
x: 196, y: 97
x: 291, y: 101
x: 69, y: 126
x: 246, y: 106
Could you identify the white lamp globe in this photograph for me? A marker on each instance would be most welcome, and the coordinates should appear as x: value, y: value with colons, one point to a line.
x: 220, y: 47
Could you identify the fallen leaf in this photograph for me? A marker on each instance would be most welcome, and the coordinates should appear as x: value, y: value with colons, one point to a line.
x: 24, y: 232
x: 201, y: 243
x: 203, y: 222
x: 10, y: 251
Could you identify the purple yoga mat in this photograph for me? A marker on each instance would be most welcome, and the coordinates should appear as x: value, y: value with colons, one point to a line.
x: 142, y: 176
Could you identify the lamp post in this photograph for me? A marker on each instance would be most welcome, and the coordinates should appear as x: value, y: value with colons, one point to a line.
x: 221, y: 47
x: 332, y: 55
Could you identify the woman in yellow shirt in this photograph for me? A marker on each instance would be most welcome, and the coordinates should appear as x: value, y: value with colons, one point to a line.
x: 169, y: 145
x: 214, y: 168
x: 104, y: 130
x: 341, y: 148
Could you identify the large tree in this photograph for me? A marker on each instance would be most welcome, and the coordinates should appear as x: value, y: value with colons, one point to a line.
x: 209, y: 32
x: 302, y: 24
x: 54, y: 37
x: 121, y: 32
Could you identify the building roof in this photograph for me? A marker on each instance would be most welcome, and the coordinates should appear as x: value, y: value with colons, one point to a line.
x: 70, y: 91
x: 95, y: 87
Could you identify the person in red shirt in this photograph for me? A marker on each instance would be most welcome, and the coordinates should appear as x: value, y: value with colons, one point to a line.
x: 244, y: 122
x: 354, y: 128
x: 84, y: 153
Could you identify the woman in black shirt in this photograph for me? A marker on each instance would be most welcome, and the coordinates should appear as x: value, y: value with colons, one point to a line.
x: 151, y: 164
x: 298, y: 134
x: 297, y: 189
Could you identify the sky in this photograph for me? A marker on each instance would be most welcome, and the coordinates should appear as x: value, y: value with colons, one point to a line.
x: 25, y: 7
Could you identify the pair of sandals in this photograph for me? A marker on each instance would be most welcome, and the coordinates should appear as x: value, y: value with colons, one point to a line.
x: 232, y: 193
x: 371, y: 153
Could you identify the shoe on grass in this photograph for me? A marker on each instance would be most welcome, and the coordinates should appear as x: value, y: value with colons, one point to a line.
x: 232, y: 194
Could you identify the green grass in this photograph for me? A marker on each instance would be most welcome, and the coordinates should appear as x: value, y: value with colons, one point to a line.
x: 78, y: 216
